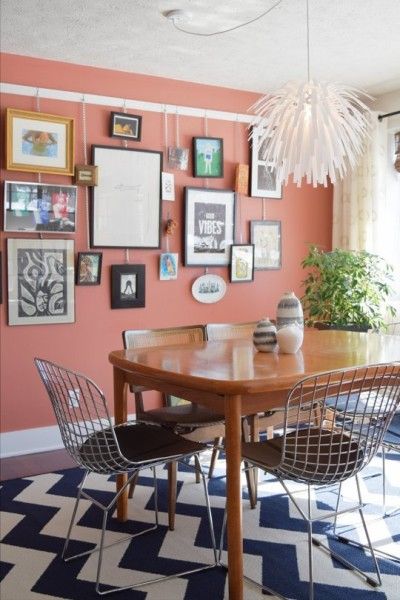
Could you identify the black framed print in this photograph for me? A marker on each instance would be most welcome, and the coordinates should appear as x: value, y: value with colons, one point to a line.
x: 39, y: 207
x: 128, y: 286
x: 263, y: 180
x: 88, y: 270
x: 126, y: 126
x: 208, y: 157
x: 242, y: 263
x: 266, y: 237
x: 40, y: 281
x: 209, y: 226
x: 126, y: 203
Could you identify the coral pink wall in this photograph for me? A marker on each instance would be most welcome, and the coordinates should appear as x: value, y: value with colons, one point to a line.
x: 306, y: 216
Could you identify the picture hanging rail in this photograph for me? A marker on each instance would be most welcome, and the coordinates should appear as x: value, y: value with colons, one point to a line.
x: 53, y: 94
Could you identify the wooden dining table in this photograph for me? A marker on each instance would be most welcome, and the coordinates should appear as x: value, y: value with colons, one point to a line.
x: 232, y: 378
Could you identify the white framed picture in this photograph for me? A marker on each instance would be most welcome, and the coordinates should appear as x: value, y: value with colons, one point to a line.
x: 167, y: 186
x: 263, y: 181
x: 40, y: 281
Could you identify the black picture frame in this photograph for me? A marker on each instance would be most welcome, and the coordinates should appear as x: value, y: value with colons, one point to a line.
x: 242, y: 263
x: 128, y: 286
x: 126, y: 203
x: 208, y: 157
x: 88, y: 268
x: 267, y: 239
x: 209, y: 226
x: 1, y: 279
x: 126, y: 126
x: 263, y: 182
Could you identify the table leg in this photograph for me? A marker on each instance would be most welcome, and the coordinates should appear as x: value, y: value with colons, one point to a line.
x: 234, y: 495
x: 120, y: 416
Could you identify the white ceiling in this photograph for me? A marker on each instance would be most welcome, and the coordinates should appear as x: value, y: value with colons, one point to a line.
x: 356, y: 42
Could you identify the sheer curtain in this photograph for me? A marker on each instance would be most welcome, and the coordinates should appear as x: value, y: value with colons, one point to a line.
x: 366, y: 203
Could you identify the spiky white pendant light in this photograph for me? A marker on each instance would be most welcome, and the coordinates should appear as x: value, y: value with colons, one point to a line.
x: 313, y: 129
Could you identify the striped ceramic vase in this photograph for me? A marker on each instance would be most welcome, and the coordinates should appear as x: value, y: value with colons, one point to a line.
x: 289, y: 311
x: 264, y: 336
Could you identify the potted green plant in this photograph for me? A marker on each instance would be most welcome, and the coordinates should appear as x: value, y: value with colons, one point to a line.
x: 345, y: 289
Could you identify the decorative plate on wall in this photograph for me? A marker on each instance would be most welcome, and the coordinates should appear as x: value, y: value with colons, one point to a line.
x: 209, y: 288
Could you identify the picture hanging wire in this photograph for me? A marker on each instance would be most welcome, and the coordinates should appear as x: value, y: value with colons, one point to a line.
x: 166, y: 130
x: 205, y: 135
x: 264, y: 210
x: 37, y: 104
x: 238, y: 194
x: 177, y: 126
x: 166, y: 234
x: 127, y: 258
x: 86, y: 192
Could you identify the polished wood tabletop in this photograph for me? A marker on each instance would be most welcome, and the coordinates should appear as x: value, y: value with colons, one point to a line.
x: 232, y: 377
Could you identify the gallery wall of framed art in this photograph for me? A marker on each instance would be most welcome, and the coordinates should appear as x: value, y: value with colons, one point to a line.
x: 83, y: 340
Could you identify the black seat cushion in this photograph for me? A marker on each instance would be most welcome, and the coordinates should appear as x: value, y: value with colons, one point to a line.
x: 191, y: 415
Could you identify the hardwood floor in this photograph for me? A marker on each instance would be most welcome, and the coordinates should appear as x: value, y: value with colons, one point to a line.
x: 34, y: 464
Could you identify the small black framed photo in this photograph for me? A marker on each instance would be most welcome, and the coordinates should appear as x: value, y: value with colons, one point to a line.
x: 208, y: 157
x: 88, y: 271
x: 266, y: 237
x: 242, y: 263
x: 126, y: 126
x: 128, y: 286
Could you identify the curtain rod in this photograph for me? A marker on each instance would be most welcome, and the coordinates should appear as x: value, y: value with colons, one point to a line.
x: 396, y: 112
x: 25, y: 90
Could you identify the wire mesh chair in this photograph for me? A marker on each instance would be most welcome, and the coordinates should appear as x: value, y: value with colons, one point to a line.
x: 99, y: 447
x: 193, y: 421
x: 343, y: 443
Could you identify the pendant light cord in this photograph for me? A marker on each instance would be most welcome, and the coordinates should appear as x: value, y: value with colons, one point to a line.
x: 308, y: 42
x: 174, y: 22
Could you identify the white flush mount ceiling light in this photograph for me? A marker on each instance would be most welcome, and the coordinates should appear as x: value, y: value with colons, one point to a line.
x: 312, y: 129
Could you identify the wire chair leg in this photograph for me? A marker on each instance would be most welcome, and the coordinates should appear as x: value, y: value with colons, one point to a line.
x: 310, y: 547
x: 371, y: 549
x: 101, y: 548
x: 208, y: 507
x: 339, y: 495
x: 71, y: 523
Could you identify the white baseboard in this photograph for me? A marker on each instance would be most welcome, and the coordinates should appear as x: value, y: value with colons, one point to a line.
x: 30, y: 441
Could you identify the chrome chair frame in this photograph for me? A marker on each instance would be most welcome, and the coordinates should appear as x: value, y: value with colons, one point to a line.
x: 343, y: 443
x: 99, y: 447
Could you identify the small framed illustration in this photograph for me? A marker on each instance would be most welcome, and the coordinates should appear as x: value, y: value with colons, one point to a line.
x: 39, y: 143
x: 242, y: 263
x: 208, y: 157
x: 263, y: 181
x: 126, y: 126
x: 88, y: 270
x: 39, y: 207
x: 128, y: 286
x: 85, y: 175
x: 266, y: 237
x: 40, y: 281
x: 178, y: 158
x: 168, y: 186
x: 126, y: 203
x: 209, y: 226
x: 168, y: 266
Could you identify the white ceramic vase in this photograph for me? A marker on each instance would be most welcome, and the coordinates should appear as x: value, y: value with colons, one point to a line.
x: 264, y: 336
x: 290, y: 338
x: 289, y: 310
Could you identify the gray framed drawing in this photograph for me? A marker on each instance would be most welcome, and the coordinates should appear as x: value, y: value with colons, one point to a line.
x: 126, y: 203
x: 40, y: 281
x: 267, y: 240
x: 263, y: 181
x: 209, y: 226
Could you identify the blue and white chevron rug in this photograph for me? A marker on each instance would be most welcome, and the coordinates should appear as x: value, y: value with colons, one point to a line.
x: 36, y: 512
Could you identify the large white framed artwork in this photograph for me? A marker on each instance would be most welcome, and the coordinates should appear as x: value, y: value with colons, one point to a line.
x: 126, y: 203
x: 40, y: 281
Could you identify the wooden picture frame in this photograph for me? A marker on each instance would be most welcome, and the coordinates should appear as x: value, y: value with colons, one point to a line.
x: 126, y: 203
x: 39, y: 142
x: 86, y: 175
x: 126, y: 126
x: 209, y: 226
x: 88, y: 268
x: 267, y: 239
x: 242, y: 263
x: 128, y: 286
x: 263, y: 181
x: 41, y: 287
x: 208, y: 157
x: 40, y: 207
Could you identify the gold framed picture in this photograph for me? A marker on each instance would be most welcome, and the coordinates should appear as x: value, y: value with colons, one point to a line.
x: 39, y: 142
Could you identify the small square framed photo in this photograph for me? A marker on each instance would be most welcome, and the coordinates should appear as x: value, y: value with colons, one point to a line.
x: 242, y: 263
x: 86, y: 175
x: 123, y: 125
x: 168, y: 266
x: 208, y: 157
x: 128, y: 286
x: 266, y: 237
x: 88, y: 271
